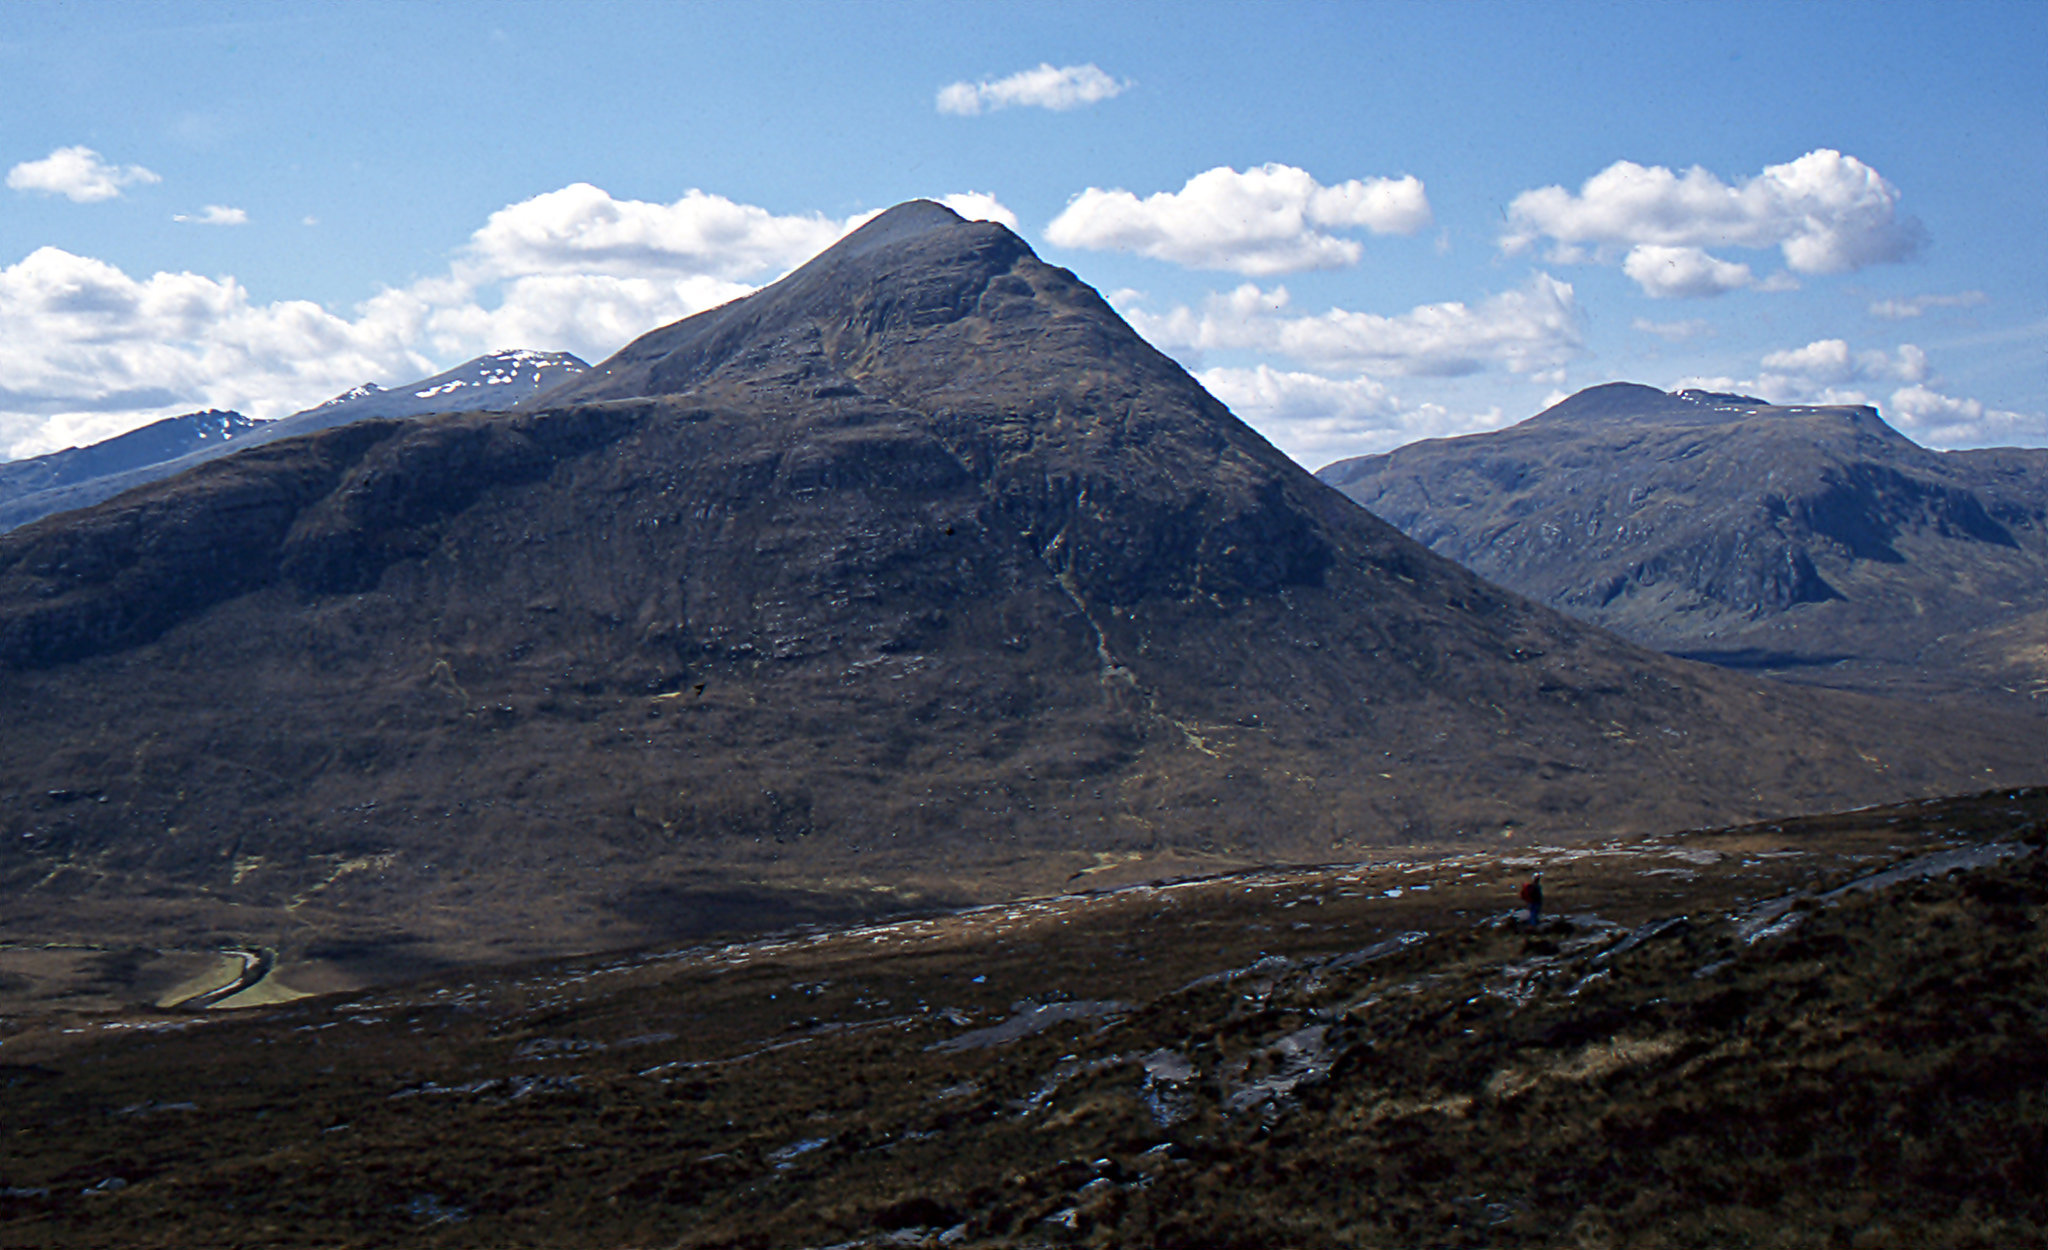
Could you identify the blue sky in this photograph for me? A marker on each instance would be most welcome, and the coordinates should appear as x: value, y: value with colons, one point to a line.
x: 1359, y: 224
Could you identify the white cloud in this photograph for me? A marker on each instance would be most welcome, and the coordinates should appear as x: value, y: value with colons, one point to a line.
x: 1317, y: 419
x: 1940, y: 420
x: 1830, y: 371
x: 1270, y: 220
x: 1535, y: 327
x: 215, y: 215
x: 592, y: 315
x: 1824, y: 361
x: 1825, y: 212
x: 1829, y: 362
x: 582, y: 229
x: 77, y: 174
x: 1914, y: 306
x: 1674, y: 331
x: 1683, y: 272
x: 1046, y: 87
x: 87, y: 351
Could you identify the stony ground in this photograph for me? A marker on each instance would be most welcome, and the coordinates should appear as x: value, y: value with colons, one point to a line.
x: 1830, y: 1032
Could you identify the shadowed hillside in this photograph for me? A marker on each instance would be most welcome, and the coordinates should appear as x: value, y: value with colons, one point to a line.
x: 916, y: 577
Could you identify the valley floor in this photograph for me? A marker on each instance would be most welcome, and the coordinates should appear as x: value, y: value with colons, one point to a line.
x: 1827, y: 1032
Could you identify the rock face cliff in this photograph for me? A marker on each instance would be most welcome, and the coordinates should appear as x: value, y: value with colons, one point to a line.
x: 1815, y: 541
x: 915, y: 575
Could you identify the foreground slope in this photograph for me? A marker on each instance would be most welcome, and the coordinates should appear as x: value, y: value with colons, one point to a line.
x: 917, y: 576
x: 1814, y: 541
x: 1815, y: 1034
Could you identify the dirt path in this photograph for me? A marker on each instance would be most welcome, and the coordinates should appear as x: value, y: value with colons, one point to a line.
x: 256, y: 965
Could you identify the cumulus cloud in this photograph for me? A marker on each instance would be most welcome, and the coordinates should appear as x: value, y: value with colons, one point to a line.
x: 87, y: 351
x: 1674, y: 331
x: 1901, y: 383
x: 1535, y: 327
x: 1046, y: 87
x: 592, y: 315
x: 1683, y: 272
x: 215, y: 215
x: 78, y: 174
x: 1914, y: 306
x: 1825, y: 212
x: 1270, y: 220
x: 1946, y: 421
x: 1317, y: 419
x: 582, y: 229
x: 1829, y: 362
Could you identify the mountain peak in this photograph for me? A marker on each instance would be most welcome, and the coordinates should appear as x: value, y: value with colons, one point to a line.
x: 906, y: 220
x: 1618, y: 401
x: 892, y: 284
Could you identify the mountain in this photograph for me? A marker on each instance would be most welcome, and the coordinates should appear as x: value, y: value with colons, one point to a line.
x: 914, y: 578
x: 24, y: 483
x: 491, y: 383
x: 1814, y: 542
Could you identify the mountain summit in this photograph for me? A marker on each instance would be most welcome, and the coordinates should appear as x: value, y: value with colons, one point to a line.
x: 916, y: 267
x: 916, y: 575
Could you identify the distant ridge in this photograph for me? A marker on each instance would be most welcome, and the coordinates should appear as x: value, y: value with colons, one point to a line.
x: 24, y: 484
x: 1634, y: 403
x: 489, y: 383
x: 1811, y: 540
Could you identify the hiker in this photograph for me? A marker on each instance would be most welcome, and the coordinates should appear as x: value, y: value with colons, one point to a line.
x: 1532, y: 894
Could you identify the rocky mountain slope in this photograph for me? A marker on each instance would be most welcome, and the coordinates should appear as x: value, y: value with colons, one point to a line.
x: 916, y: 577
x: 24, y: 483
x: 490, y: 383
x: 1814, y: 542
x: 1812, y: 1034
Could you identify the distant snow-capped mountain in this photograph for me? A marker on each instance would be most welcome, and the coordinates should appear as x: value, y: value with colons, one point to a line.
x: 23, y: 482
x: 490, y: 383
x: 81, y: 476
